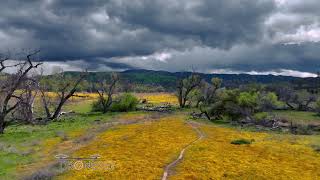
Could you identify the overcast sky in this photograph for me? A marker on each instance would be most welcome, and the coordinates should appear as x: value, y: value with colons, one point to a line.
x: 213, y: 36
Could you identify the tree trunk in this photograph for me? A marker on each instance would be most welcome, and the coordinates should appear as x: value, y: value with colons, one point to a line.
x: 290, y: 106
x: 105, y: 106
x: 207, y: 115
x: 184, y: 104
x: 58, y: 110
x: 2, y: 124
x: 181, y: 104
x: 198, y: 102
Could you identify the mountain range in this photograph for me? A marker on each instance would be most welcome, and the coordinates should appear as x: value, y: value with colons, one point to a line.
x: 168, y: 79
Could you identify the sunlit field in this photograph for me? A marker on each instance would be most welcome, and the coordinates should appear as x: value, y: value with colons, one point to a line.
x: 81, y: 102
x: 25, y: 149
x: 299, y: 117
x: 139, y: 145
x: 153, y: 98
x: 138, y: 151
x: 159, y: 98
x: 270, y: 156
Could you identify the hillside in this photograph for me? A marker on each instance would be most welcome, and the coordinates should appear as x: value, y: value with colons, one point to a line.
x: 168, y: 79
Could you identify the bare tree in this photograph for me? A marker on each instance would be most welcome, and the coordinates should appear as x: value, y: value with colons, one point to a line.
x: 303, y: 100
x: 296, y: 99
x: 3, y: 59
x: 185, y: 87
x: 106, y: 90
x: 25, y: 110
x: 65, y: 88
x: 9, y: 96
x: 127, y: 86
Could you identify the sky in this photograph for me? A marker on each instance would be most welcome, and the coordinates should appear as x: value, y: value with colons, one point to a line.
x: 280, y: 37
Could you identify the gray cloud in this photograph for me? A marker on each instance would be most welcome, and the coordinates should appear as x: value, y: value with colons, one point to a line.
x: 215, y: 23
x: 244, y: 58
x: 238, y: 35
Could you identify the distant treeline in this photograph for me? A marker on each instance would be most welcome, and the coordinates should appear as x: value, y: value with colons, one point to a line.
x: 158, y: 81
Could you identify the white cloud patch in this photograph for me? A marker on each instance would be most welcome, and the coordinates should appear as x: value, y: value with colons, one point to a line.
x: 304, y: 34
x: 281, y: 72
x: 163, y: 57
x: 284, y: 72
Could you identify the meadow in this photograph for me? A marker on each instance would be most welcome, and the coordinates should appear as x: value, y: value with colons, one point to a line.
x: 141, y: 144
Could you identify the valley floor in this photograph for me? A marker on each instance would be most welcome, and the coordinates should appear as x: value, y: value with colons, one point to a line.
x: 141, y: 146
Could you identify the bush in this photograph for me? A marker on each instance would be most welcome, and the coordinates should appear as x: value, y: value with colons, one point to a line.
x: 97, y: 106
x: 241, y: 141
x: 260, y: 116
x: 124, y: 103
x: 249, y: 100
x: 302, y: 130
x: 268, y: 101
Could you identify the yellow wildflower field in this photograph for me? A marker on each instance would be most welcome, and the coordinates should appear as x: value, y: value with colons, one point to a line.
x: 270, y: 156
x: 155, y: 98
x: 158, y: 98
x: 138, y: 151
x: 141, y: 151
x: 78, y: 95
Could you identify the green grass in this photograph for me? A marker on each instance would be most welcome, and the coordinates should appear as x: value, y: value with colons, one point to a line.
x: 20, y: 143
x: 79, y: 106
x: 299, y: 117
x: 8, y: 163
x: 241, y: 141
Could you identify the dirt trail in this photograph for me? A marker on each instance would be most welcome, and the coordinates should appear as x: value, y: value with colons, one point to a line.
x: 169, y: 167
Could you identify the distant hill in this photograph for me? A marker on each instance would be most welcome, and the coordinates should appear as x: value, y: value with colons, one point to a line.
x: 168, y: 79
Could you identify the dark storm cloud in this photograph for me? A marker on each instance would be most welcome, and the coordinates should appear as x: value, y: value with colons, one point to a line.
x: 172, y: 35
x: 215, y: 23
x: 73, y: 30
x: 107, y: 64
x: 302, y: 7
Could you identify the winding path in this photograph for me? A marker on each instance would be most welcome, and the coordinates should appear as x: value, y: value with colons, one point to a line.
x: 170, y: 166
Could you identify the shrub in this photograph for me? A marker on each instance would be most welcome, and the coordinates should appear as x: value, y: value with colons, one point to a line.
x: 241, y: 141
x: 249, y: 100
x: 301, y: 129
x: 260, y: 116
x: 268, y: 101
x: 125, y: 102
x: 97, y: 106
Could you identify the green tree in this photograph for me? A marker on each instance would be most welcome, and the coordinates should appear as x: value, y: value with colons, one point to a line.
x: 185, y: 87
x: 268, y: 101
